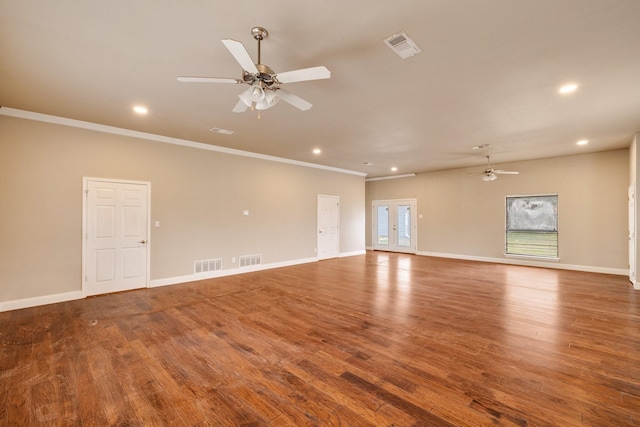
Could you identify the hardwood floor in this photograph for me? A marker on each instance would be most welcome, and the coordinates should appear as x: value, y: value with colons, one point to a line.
x: 381, y: 339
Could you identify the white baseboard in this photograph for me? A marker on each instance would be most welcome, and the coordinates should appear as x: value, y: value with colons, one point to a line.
x: 531, y: 263
x: 68, y: 296
x: 233, y: 271
x: 353, y: 253
x: 37, y: 301
x: 222, y: 273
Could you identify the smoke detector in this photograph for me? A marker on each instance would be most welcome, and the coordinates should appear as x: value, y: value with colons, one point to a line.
x: 402, y: 45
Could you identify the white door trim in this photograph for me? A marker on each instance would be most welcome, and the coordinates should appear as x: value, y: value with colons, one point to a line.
x: 632, y: 235
x: 85, y: 188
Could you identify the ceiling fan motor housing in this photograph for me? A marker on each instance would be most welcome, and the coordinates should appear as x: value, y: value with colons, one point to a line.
x: 259, y: 33
x: 264, y: 76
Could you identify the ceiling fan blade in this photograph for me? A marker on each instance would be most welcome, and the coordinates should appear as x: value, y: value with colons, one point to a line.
x: 506, y: 172
x: 240, y: 107
x: 186, y: 79
x: 242, y: 56
x: 313, y: 73
x: 294, y: 100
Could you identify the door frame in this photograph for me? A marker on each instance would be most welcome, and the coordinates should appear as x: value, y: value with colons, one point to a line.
x: 85, y: 218
x: 414, y: 222
x: 632, y: 235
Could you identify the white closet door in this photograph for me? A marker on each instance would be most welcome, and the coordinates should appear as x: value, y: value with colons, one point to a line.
x: 116, y: 241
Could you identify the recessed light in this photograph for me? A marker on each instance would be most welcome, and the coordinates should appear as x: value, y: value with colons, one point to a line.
x: 582, y: 142
x: 568, y: 88
x: 393, y: 169
x: 140, y: 109
x: 317, y: 151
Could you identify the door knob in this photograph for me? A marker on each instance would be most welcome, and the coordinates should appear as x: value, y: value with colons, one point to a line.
x: 142, y: 241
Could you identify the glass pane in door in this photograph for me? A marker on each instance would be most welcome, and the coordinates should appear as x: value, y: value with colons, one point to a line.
x: 383, y: 225
x: 404, y: 225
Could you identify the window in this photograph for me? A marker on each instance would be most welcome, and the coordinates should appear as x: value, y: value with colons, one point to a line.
x: 532, y: 226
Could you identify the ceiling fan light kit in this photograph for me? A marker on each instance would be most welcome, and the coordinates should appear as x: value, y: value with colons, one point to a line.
x: 264, y: 91
x: 257, y: 93
x: 247, y: 97
x: 270, y: 99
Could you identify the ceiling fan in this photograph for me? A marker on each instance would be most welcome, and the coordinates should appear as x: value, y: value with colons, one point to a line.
x: 490, y: 174
x: 264, y: 91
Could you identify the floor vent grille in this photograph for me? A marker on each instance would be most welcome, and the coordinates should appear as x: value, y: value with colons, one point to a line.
x: 207, y: 265
x: 249, y: 260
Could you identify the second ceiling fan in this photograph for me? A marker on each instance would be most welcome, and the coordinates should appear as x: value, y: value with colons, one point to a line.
x: 490, y: 174
x: 264, y: 84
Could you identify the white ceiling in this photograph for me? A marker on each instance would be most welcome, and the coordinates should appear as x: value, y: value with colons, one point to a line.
x: 488, y: 73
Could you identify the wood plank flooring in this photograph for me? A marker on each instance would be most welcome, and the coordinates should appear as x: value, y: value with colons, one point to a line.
x: 380, y: 339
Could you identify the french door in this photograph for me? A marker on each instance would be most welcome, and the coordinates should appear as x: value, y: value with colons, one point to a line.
x: 115, y: 244
x: 394, y: 225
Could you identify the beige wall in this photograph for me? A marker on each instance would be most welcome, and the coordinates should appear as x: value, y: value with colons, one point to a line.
x: 465, y: 216
x: 198, y: 196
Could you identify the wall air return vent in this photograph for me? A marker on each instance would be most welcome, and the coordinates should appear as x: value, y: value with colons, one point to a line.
x: 207, y: 265
x: 402, y: 45
x: 249, y: 260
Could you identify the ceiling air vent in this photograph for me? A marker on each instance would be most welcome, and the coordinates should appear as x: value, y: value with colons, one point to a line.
x: 222, y: 131
x: 402, y: 45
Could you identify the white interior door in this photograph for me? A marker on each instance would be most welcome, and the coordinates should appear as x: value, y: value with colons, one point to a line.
x: 394, y: 225
x: 328, y: 226
x: 116, y: 249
